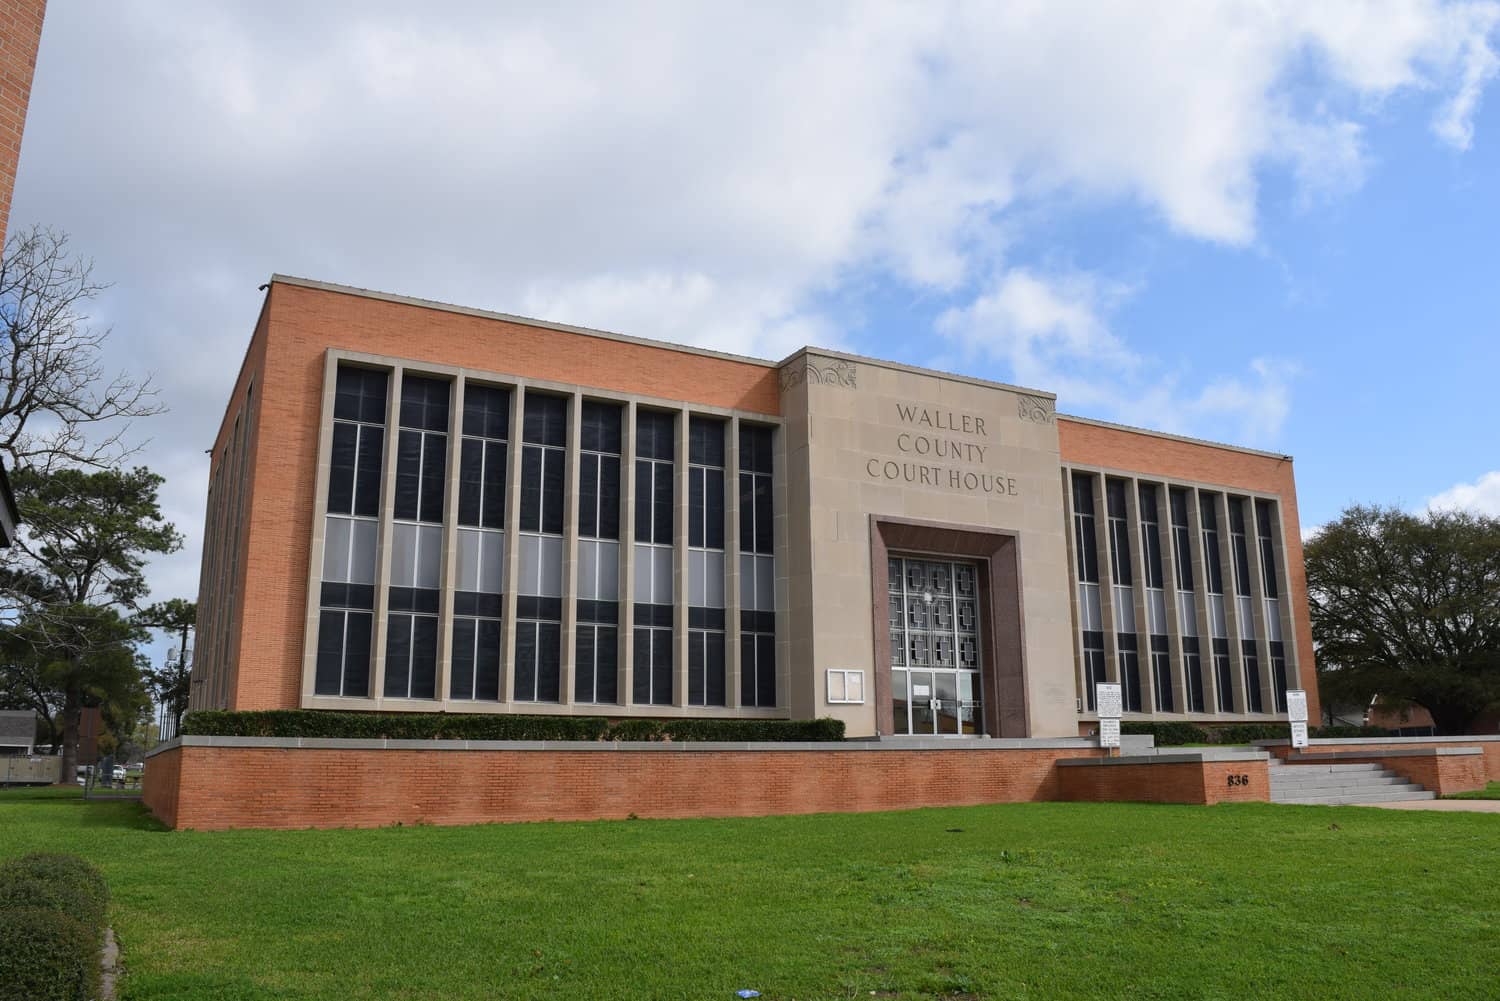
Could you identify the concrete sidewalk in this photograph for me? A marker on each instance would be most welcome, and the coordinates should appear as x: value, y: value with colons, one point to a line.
x: 1458, y: 805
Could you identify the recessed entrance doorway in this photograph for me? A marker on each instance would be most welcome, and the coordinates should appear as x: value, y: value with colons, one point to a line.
x: 937, y: 686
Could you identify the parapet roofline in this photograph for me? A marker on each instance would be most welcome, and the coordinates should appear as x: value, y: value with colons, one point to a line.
x: 611, y: 335
x: 1187, y: 439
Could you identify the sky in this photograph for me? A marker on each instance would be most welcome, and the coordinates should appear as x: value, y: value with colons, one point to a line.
x: 1269, y: 223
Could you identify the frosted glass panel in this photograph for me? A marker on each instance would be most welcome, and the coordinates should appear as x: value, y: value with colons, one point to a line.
x: 1124, y: 609
x: 1216, y: 618
x: 1187, y: 613
x: 1247, y: 617
x: 1156, y: 610
x: 336, y: 550
x: 765, y: 583
x: 1273, y: 620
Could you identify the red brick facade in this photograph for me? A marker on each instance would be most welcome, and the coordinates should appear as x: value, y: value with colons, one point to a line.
x: 1441, y: 774
x: 20, y: 35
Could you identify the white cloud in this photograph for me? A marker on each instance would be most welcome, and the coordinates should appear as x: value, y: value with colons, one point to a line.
x: 1053, y: 331
x: 1480, y: 497
x: 703, y: 173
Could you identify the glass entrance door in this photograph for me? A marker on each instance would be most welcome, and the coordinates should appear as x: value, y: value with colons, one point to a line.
x: 936, y: 688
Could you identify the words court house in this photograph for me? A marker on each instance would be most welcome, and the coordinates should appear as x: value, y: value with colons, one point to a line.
x: 416, y: 506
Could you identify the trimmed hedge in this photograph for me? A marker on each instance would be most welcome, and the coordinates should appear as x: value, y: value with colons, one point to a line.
x: 53, y: 910
x: 475, y: 726
x: 1178, y: 734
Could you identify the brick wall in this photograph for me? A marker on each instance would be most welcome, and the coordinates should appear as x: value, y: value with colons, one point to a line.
x: 20, y: 34
x: 215, y: 788
x: 1149, y: 454
x: 1204, y: 782
x: 297, y: 326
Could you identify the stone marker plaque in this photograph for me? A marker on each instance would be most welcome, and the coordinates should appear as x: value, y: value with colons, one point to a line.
x: 1299, y: 734
x: 1296, y: 705
x: 1109, y: 732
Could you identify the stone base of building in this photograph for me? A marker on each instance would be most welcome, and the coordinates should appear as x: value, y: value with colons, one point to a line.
x: 216, y: 783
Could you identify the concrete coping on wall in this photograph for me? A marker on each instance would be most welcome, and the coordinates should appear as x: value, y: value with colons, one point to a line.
x: 1143, y: 745
x: 1168, y: 758
x: 1358, y: 741
x: 1403, y: 752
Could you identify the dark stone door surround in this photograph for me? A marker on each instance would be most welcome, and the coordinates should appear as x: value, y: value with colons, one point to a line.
x: 1002, y: 635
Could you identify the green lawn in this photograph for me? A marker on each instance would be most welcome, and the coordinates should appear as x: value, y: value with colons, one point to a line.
x: 1491, y: 791
x: 1025, y: 901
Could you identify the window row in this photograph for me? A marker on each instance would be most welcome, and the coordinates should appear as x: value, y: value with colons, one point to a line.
x: 1186, y: 671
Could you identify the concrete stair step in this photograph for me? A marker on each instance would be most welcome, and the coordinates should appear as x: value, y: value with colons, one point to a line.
x: 1325, y: 781
x: 1282, y: 769
x: 1354, y: 798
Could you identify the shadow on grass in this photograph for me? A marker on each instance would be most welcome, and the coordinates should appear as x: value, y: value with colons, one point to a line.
x: 122, y: 812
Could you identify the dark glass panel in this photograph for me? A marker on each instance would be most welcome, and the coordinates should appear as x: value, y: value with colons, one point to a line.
x: 552, y: 492
x: 607, y: 658
x: 408, y: 470
x: 434, y: 477
x: 755, y: 448
x: 1252, y: 675
x: 764, y: 524
x: 477, y: 603
x: 486, y: 411
x: 461, y: 680
x: 367, y: 472
x: 661, y: 505
x: 714, y: 510
x: 601, y: 427
x: 584, y: 661
x: 358, y: 640
x: 495, y: 458
x: 329, y: 674
x: 549, y: 661
x: 654, y: 435
x: 1083, y: 494
x: 526, y: 656
x: 765, y: 670
x: 609, y: 497
x: 342, y: 464
x: 706, y: 441
x: 661, y: 668
x: 414, y: 599
x: 359, y: 395
x: 588, y: 500
x: 695, y: 506
x: 424, y: 657
x: 747, y: 513
x: 487, y: 666
x: 640, y: 687
x: 470, y: 480
x: 531, y: 489
x: 546, y: 421
x: 397, y: 655
x: 696, y: 662
x: 424, y: 403
x: 758, y: 622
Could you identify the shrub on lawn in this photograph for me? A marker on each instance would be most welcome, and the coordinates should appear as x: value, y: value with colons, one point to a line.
x: 53, y: 910
x: 476, y: 726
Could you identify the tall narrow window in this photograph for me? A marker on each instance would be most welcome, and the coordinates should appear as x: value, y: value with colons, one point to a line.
x: 1265, y: 529
x: 538, y: 654
x: 1086, y: 549
x: 1155, y: 596
x: 1239, y: 551
x: 417, y: 539
x: 1121, y: 577
x: 347, y: 601
x: 705, y: 562
x: 655, y: 451
x: 757, y: 569
x: 596, y: 644
x: 483, y: 462
x: 1213, y: 573
x: 1252, y: 675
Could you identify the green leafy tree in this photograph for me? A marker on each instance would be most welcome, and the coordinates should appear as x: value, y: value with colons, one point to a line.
x: 1407, y: 607
x: 171, y: 683
x: 73, y: 577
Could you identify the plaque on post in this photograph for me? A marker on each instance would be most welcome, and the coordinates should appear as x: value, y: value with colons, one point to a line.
x: 1296, y: 705
x: 1108, y: 698
x: 1109, y: 732
x: 1299, y: 734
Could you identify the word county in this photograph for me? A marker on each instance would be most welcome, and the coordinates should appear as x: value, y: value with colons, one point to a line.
x: 922, y: 444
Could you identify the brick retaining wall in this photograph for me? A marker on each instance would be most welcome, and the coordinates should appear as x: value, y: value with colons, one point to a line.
x: 1489, y: 745
x: 219, y: 783
x: 1170, y: 778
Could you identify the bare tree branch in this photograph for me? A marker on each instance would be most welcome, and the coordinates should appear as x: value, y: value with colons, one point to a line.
x: 57, y: 405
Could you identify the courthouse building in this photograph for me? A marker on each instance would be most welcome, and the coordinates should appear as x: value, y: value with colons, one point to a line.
x: 420, y: 507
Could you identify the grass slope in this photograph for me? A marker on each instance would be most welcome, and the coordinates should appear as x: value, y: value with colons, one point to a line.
x: 1491, y: 791
x: 1024, y: 901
